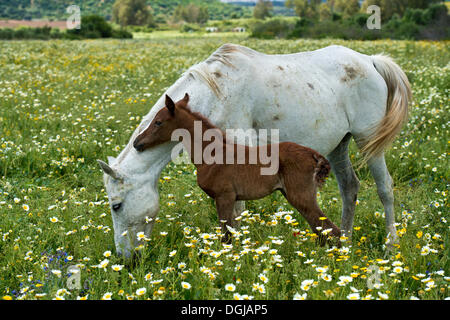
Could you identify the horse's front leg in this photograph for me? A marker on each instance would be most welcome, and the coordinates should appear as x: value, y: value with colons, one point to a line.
x: 239, y: 207
x: 225, y: 205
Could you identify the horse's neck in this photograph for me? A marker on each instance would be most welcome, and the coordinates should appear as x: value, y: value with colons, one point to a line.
x: 196, y: 128
x: 147, y: 165
x: 151, y: 162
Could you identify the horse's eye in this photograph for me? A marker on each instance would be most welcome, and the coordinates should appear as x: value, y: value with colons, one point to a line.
x: 117, y: 206
x: 158, y: 123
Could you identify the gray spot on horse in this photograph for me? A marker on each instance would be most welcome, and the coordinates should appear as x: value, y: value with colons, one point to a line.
x: 352, y: 72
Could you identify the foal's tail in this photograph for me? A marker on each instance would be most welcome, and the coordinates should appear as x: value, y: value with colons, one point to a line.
x: 322, y: 169
x: 399, y: 95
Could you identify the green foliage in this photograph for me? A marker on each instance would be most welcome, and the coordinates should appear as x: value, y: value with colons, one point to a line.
x: 42, y: 33
x: 263, y: 9
x: 132, y: 12
x: 425, y: 16
x: 272, y: 28
x: 305, y: 8
x: 52, y: 9
x: 216, y: 9
x: 191, y: 13
x: 56, y: 9
x: 189, y: 27
x: 389, y: 8
x: 91, y: 27
x: 429, y: 23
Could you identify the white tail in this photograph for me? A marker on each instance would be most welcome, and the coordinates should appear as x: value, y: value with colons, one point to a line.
x: 399, y: 95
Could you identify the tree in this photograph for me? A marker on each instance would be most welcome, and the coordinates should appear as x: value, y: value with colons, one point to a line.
x: 263, y: 9
x: 132, y: 12
x: 325, y: 12
x: 346, y: 7
x: 391, y: 7
x: 305, y: 8
x: 191, y: 13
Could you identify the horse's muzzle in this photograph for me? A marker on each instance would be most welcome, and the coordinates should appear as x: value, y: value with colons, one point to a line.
x: 138, y: 145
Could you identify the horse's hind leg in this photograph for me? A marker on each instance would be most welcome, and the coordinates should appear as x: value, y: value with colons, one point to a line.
x: 380, y: 173
x: 306, y: 203
x: 347, y: 181
x: 225, y: 205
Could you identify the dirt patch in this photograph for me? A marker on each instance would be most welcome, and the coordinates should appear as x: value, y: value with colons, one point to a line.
x: 13, y: 24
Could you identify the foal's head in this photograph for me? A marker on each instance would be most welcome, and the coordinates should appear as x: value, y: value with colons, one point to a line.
x: 161, y: 128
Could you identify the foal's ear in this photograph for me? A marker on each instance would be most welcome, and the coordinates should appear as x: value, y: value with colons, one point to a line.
x: 170, y: 105
x: 186, y: 98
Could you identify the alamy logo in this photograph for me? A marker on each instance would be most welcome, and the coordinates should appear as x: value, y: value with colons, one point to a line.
x: 74, y: 21
x: 374, y: 21
x: 374, y: 279
x: 74, y: 278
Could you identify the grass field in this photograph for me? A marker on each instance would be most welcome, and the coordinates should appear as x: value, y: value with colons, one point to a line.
x: 65, y: 104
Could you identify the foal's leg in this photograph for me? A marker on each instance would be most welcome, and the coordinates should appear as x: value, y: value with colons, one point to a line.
x: 306, y: 203
x: 225, y: 209
x: 380, y: 173
x: 347, y: 181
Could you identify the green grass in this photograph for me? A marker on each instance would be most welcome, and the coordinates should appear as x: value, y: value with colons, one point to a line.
x: 65, y: 104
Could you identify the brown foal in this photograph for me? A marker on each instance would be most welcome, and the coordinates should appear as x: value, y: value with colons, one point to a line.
x: 300, y: 172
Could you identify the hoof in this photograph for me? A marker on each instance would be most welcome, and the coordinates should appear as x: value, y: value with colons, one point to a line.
x: 226, y: 238
x: 392, y: 242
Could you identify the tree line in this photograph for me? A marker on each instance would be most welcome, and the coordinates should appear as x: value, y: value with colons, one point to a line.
x: 347, y: 19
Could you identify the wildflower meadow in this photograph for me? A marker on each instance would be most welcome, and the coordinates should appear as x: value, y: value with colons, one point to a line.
x: 64, y: 104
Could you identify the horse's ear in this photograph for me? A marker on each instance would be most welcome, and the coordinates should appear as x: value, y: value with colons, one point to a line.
x: 186, y: 98
x: 170, y: 105
x: 109, y: 171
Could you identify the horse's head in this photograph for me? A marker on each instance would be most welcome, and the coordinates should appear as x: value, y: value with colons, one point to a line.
x: 134, y: 206
x: 163, y: 124
x: 131, y: 183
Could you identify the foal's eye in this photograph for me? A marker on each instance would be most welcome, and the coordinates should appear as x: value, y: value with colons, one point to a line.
x: 158, y: 123
x: 117, y: 206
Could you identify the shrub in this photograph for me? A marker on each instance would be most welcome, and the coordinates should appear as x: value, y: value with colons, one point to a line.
x: 188, y: 27
x: 121, y: 34
x: 272, y: 28
x: 92, y: 26
x: 6, y: 34
x: 397, y: 28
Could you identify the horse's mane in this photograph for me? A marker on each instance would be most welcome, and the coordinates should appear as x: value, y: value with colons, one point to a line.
x: 225, y: 55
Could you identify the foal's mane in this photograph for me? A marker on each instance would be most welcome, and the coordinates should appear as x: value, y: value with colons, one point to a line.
x: 198, y: 116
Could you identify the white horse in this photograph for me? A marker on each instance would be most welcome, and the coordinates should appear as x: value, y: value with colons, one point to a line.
x: 319, y: 99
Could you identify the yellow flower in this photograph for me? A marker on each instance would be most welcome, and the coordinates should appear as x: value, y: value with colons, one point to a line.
x: 7, y: 298
x: 419, y: 234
